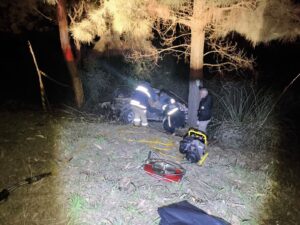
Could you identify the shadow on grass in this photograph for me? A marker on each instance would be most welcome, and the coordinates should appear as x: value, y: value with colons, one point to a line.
x: 27, y: 148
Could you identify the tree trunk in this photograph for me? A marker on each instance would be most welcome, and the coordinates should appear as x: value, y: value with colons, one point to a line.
x: 67, y: 51
x: 196, y: 61
x: 78, y: 53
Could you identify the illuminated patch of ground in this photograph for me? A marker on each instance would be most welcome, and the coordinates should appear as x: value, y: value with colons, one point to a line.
x: 97, y: 176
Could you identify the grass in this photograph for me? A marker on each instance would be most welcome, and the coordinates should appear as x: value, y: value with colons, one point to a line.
x: 244, y: 104
x: 77, y: 205
x: 242, y: 116
x: 101, y: 139
x: 90, y: 189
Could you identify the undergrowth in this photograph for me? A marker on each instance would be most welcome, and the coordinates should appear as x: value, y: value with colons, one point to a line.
x: 242, y: 116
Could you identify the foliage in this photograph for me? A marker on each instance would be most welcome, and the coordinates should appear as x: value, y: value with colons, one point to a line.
x: 142, y: 69
x: 101, y: 76
x: 170, y: 76
x: 27, y: 15
x: 127, y: 26
x: 262, y: 23
x: 174, y: 4
x: 241, y: 117
x: 244, y: 104
x: 120, y: 24
x: 51, y: 2
x: 97, y: 82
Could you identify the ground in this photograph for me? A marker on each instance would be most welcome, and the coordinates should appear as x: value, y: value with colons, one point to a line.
x: 97, y: 176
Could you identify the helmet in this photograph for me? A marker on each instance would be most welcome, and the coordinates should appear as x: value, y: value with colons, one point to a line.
x: 172, y: 101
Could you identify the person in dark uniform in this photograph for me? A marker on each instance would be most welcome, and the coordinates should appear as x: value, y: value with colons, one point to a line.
x: 174, y: 117
x: 142, y: 97
x: 205, y: 109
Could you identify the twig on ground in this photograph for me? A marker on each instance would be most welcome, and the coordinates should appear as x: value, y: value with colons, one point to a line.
x: 98, y: 146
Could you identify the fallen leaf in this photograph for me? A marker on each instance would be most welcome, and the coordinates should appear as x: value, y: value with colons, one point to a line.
x: 98, y: 146
x: 40, y: 136
x: 30, y: 138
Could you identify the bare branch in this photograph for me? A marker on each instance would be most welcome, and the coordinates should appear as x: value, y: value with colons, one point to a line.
x: 42, y: 14
x: 227, y: 56
x: 223, y: 65
x: 77, y: 11
x: 177, y: 50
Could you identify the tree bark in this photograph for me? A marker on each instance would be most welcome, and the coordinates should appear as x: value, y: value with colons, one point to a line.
x: 67, y: 51
x: 196, y: 61
x: 78, y: 53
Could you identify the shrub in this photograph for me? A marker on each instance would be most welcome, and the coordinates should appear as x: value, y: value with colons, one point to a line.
x: 242, y: 116
x: 97, y: 82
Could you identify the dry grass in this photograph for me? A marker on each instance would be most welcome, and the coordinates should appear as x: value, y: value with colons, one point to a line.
x: 97, y: 177
x: 242, y: 117
x: 96, y: 167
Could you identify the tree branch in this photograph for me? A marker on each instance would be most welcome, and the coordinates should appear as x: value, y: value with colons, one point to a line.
x: 246, y: 4
x: 220, y: 64
x: 42, y: 14
x: 228, y: 52
x: 135, y: 55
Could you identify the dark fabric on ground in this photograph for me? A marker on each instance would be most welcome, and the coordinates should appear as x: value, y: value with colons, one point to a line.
x: 184, y: 213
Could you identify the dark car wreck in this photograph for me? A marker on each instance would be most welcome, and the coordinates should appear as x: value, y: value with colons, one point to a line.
x: 122, y: 109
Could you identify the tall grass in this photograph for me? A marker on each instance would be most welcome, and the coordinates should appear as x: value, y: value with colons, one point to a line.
x: 242, y: 116
x: 244, y: 104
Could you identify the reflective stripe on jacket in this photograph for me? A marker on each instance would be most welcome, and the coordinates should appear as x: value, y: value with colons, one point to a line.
x: 142, y: 94
x: 137, y: 104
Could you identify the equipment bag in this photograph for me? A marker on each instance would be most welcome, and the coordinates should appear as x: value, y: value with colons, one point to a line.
x: 193, y: 145
x: 163, y: 169
x: 184, y: 213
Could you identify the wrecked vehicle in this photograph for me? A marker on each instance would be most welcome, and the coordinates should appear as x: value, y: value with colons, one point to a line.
x: 122, y: 108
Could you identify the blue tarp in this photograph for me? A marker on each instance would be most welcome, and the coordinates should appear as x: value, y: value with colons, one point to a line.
x: 184, y: 213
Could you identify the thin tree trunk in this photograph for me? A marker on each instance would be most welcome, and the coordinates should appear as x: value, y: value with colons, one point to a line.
x: 196, y: 61
x: 42, y: 88
x: 67, y: 51
x: 78, y: 52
